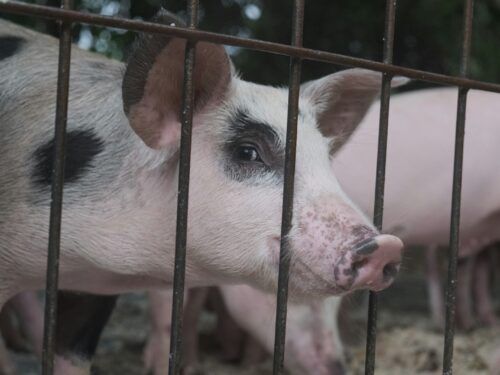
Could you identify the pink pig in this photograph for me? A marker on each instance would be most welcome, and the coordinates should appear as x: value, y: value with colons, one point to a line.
x: 245, y: 327
x: 417, y: 202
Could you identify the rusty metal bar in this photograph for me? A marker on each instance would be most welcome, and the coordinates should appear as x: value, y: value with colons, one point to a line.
x: 287, y: 209
x: 182, y: 198
x: 52, y: 278
x: 259, y: 45
x: 456, y: 193
x: 378, y: 210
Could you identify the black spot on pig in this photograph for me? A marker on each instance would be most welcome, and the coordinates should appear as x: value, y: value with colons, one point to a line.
x: 82, y: 318
x: 9, y: 45
x: 82, y: 146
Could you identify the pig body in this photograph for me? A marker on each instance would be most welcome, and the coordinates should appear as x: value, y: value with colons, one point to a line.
x: 119, y: 214
x: 312, y: 346
x: 418, y: 184
x: 245, y: 326
x: 419, y: 171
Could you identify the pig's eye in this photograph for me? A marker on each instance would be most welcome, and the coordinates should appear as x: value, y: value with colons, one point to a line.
x: 248, y: 152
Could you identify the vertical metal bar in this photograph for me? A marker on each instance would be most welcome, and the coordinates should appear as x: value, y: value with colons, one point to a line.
x: 287, y: 209
x: 52, y: 278
x: 182, y: 198
x: 456, y: 193
x: 390, y: 20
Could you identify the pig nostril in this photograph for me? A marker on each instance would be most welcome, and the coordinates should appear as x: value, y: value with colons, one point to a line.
x: 366, y: 247
x: 390, y: 271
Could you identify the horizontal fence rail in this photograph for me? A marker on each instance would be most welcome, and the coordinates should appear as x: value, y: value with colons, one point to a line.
x: 297, y: 54
x: 258, y: 45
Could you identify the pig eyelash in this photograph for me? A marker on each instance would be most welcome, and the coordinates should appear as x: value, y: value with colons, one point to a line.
x: 253, y: 150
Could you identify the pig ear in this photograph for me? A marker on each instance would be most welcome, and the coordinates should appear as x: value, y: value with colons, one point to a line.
x: 342, y: 99
x: 153, y: 81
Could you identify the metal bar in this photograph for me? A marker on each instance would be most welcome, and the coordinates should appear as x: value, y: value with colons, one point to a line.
x: 52, y: 278
x: 378, y: 211
x: 287, y: 209
x: 456, y: 193
x: 259, y: 45
x: 182, y: 198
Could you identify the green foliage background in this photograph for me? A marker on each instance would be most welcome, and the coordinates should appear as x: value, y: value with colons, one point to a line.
x: 428, y: 32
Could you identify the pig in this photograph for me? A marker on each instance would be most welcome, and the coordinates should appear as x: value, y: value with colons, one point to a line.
x: 6, y: 366
x: 484, y: 274
x: 158, y: 342
x: 415, y: 220
x: 312, y: 346
x: 27, y: 335
x: 245, y: 329
x: 119, y: 214
x: 417, y: 202
x: 473, y: 288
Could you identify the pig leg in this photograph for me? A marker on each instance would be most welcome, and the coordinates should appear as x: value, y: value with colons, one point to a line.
x: 464, y: 296
x: 6, y: 367
x: 30, y: 313
x: 192, y: 311
x: 81, y: 320
x: 157, y: 347
x: 228, y: 333
x: 10, y: 331
x: 253, y: 352
x: 434, y: 286
x: 482, y: 292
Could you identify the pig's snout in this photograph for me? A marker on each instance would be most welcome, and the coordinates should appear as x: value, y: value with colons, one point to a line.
x: 371, y: 264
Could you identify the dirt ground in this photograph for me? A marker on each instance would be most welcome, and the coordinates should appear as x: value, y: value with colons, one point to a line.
x: 407, y: 343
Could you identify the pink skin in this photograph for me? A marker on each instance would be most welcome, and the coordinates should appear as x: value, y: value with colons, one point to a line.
x: 483, y: 274
x: 30, y: 314
x: 473, y: 288
x: 312, y: 346
x: 245, y: 330
x: 419, y: 171
x: 26, y: 308
x: 158, y: 343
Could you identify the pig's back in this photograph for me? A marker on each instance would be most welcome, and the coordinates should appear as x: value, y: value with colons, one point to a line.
x: 420, y: 163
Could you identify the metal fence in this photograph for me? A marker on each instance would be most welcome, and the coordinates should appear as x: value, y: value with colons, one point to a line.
x: 297, y: 54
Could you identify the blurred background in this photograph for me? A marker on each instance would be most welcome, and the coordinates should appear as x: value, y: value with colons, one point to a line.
x: 428, y: 32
